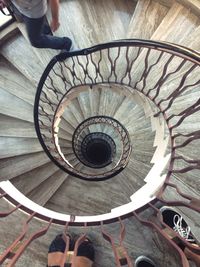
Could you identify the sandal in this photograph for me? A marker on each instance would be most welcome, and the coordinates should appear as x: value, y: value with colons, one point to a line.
x: 57, y: 249
x: 86, y: 249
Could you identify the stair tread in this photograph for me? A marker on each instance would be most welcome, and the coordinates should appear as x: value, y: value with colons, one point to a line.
x: 12, y: 127
x: 12, y: 81
x: 21, y: 164
x: 86, y: 26
x: 26, y: 182
x: 97, y: 195
x: 43, y: 193
x: 176, y: 25
x: 13, y: 106
x: 28, y: 65
x: 146, y: 18
x: 12, y: 146
x: 192, y: 41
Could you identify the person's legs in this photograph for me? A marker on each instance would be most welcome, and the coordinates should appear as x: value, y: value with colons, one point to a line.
x: 37, y: 27
x: 46, y: 28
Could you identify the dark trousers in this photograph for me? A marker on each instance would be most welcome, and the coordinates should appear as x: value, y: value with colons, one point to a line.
x: 39, y: 32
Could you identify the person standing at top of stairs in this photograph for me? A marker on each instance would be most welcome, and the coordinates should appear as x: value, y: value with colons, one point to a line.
x: 33, y: 14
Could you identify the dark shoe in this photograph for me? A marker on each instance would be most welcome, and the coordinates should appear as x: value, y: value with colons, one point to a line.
x: 59, y: 245
x: 57, y: 249
x: 86, y: 249
x: 143, y: 261
x: 176, y: 222
x: 68, y: 44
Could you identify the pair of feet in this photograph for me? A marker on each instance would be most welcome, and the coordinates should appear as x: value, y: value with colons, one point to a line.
x: 177, y: 223
x: 85, y: 253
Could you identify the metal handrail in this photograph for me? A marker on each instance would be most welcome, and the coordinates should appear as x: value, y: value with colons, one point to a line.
x: 15, y: 250
x: 170, y: 49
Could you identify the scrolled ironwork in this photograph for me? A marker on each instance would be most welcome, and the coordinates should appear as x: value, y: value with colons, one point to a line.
x: 164, y: 73
x: 118, y: 128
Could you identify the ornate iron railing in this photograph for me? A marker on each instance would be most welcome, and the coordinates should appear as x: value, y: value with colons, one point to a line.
x: 123, y: 141
x: 83, y: 136
x: 131, y: 63
x: 168, y: 76
x: 148, y: 216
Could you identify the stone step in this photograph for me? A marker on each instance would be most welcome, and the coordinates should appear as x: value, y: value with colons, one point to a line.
x: 180, y: 79
x: 177, y: 25
x: 145, y: 21
x: 194, y: 5
x: 49, y: 186
x: 27, y: 181
x: 11, y: 146
x: 21, y: 164
x: 143, y: 156
x: 109, y: 101
x: 84, y: 103
x: 134, y: 167
x: 12, y: 81
x: 76, y: 110
x: 87, y: 24
x: 97, y: 193
x: 24, y: 60
x: 147, y: 17
x: 177, y: 15
x: 193, y: 41
x: 12, y: 106
x: 12, y: 127
x: 65, y: 129
x: 70, y: 117
x: 12, y: 226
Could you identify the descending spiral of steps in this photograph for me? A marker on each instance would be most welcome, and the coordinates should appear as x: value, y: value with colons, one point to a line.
x: 58, y: 168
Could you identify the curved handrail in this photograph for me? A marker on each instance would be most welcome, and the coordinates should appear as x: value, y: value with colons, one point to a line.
x: 175, y: 50
x: 180, y: 50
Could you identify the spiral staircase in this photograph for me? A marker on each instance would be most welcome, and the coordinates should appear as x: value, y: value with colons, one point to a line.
x: 135, y: 101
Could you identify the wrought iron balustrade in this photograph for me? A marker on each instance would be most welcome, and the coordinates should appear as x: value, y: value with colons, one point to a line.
x: 148, y: 216
x: 164, y: 73
x: 168, y: 76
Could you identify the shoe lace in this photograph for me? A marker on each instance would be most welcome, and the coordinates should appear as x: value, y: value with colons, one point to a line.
x: 184, y: 232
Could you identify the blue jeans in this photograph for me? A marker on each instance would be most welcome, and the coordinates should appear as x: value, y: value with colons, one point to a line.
x: 39, y: 32
x: 40, y: 35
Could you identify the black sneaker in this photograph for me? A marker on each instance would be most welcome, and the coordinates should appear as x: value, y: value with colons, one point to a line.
x: 143, y: 261
x: 176, y: 222
x: 68, y: 44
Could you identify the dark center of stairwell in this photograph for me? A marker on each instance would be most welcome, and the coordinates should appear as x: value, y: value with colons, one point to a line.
x: 98, y: 149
